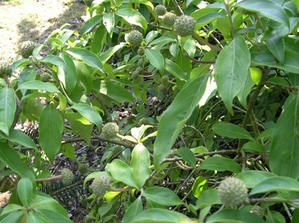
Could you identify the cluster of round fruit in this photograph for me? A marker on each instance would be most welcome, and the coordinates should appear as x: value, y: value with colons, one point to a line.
x: 183, y: 25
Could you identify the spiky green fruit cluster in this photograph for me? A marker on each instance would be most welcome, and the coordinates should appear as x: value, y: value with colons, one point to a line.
x: 27, y: 49
x: 184, y: 25
x: 5, y: 69
x: 169, y: 19
x: 100, y: 185
x: 135, y: 38
x: 110, y: 130
x: 233, y: 192
x: 67, y: 176
x: 160, y: 10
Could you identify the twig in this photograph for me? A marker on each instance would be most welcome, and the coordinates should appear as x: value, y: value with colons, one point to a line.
x: 202, y: 41
x: 49, y: 179
x: 178, y: 7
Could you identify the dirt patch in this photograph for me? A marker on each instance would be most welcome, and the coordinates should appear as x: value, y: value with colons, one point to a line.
x: 34, y: 20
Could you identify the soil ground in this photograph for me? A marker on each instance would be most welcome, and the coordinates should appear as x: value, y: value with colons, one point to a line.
x: 22, y: 20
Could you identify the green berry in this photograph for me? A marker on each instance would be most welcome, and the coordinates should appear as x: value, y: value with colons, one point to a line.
x: 100, y: 185
x: 67, y: 176
x: 160, y: 10
x: 184, y: 25
x: 5, y: 69
x: 140, y: 51
x: 169, y: 19
x: 110, y: 130
x: 135, y: 38
x: 27, y: 49
x: 233, y: 192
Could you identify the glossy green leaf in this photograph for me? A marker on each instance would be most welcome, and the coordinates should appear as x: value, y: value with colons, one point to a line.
x: 284, y: 151
x: 67, y: 73
x: 122, y: 172
x: 254, y: 177
x: 158, y: 215
x: 276, y: 46
x: 132, y: 17
x: 140, y: 163
x: 162, y: 196
x: 220, y: 164
x: 234, y: 216
x: 12, y: 159
x: 14, y: 217
x: 116, y: 91
x: 50, y: 131
x: 230, y: 130
x: 155, y: 58
x: 208, y: 198
x: 105, y: 56
x: 231, y: 70
x: 134, y: 209
x: 267, y: 8
x: 88, y: 112
x: 276, y: 184
x: 175, y: 70
x: 109, y: 21
x: 173, y: 119
x: 39, y: 85
x: 187, y: 156
x: 91, y: 24
x: 87, y: 57
x: 8, y: 107
x: 25, y: 191
x: 18, y: 137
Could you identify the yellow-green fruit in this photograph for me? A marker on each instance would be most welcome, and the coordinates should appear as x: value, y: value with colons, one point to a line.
x: 67, y: 176
x: 5, y: 69
x: 256, y: 74
x: 27, y: 49
x: 160, y: 10
x: 169, y: 19
x: 110, y: 130
x: 135, y: 38
x: 100, y: 185
x: 233, y: 192
x: 184, y: 25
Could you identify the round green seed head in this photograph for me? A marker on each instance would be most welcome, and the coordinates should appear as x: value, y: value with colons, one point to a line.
x: 160, y: 10
x: 169, y: 19
x: 233, y: 192
x: 100, y: 185
x: 27, y: 49
x: 110, y: 130
x: 67, y: 176
x: 184, y: 25
x: 5, y: 69
x: 135, y: 38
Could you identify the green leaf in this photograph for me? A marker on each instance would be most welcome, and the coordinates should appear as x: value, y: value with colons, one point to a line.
x: 284, y: 151
x: 8, y: 107
x: 67, y: 73
x: 155, y: 58
x: 220, y: 164
x: 105, y: 56
x: 162, y: 196
x: 90, y: 24
x: 173, y: 119
x: 115, y: 91
x: 109, y: 21
x: 50, y: 131
x: 88, y: 112
x: 254, y: 177
x: 276, y: 184
x: 122, y: 172
x: 134, y: 209
x: 187, y: 156
x: 175, y: 70
x: 276, y: 46
x: 266, y: 8
x: 140, y: 163
x: 231, y: 131
x: 231, y: 70
x: 208, y: 198
x: 25, y: 191
x: 132, y: 16
x: 158, y: 215
x: 39, y: 85
x: 12, y: 159
x: 18, y: 137
x: 87, y: 57
x: 234, y: 216
x: 14, y: 217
